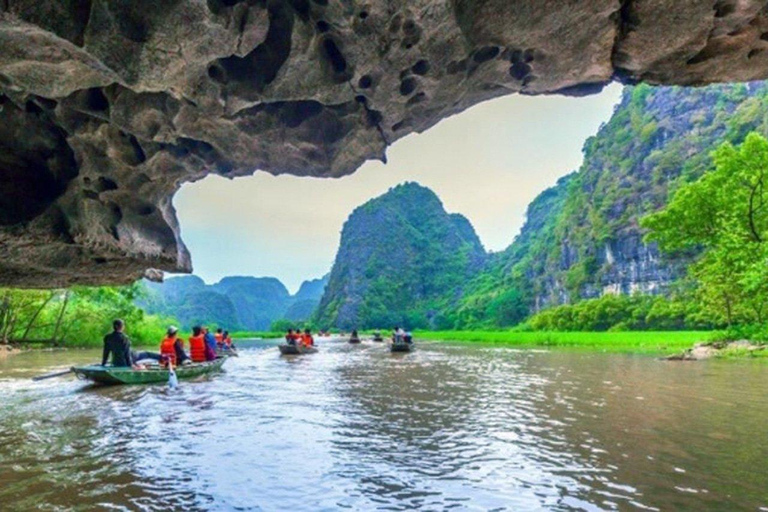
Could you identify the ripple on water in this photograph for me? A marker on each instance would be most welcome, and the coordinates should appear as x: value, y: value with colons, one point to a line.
x: 443, y: 428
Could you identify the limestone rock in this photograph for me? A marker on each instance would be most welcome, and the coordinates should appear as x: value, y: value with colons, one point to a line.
x: 108, y: 106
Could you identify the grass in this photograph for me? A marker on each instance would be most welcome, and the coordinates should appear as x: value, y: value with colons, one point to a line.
x: 648, y: 342
x: 255, y: 334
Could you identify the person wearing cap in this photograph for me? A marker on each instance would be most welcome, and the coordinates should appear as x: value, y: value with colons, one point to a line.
x: 172, y: 347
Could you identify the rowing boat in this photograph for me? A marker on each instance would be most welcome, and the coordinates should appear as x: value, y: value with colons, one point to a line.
x: 354, y: 340
x: 288, y: 350
x: 127, y: 375
x: 401, y: 347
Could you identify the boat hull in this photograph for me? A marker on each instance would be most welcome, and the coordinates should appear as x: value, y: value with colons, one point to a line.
x: 354, y: 340
x: 401, y: 347
x: 111, y: 375
x: 295, y: 350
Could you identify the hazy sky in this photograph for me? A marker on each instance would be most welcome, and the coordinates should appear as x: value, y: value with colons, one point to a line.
x: 487, y: 163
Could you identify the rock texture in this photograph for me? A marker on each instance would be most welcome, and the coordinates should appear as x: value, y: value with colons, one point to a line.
x: 108, y: 106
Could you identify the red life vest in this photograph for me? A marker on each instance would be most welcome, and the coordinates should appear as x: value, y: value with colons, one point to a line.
x: 168, y: 349
x: 228, y: 341
x: 197, y: 348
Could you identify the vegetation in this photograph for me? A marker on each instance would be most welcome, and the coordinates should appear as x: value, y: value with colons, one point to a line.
x: 77, y: 317
x: 724, y: 215
x: 635, y: 342
x: 623, y: 313
x: 402, y: 259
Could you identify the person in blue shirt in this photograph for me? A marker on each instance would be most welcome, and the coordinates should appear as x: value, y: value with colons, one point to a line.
x: 210, y: 344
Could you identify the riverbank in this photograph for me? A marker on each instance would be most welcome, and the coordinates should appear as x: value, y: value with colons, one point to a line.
x: 8, y: 350
x: 660, y: 343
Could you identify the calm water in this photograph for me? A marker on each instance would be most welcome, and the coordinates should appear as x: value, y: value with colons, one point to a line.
x: 448, y: 427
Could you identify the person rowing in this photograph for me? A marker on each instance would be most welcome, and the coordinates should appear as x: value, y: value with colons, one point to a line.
x: 118, y: 345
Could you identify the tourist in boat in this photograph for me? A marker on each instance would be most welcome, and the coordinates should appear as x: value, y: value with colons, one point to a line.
x: 118, y: 345
x: 210, y: 344
x: 306, y: 338
x: 289, y: 337
x: 398, y: 335
x: 172, y: 347
x: 408, y: 337
x: 219, y: 337
x: 228, y: 341
x: 197, y: 345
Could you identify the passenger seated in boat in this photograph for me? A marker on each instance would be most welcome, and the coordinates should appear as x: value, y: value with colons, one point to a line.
x: 197, y: 345
x: 228, y: 341
x: 219, y: 337
x: 290, y: 338
x: 172, y: 347
x: 408, y: 337
x: 210, y: 344
x: 118, y: 345
x: 306, y: 338
x: 398, y: 335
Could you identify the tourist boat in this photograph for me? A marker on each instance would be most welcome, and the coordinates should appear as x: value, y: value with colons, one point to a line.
x: 151, y: 375
x: 378, y: 337
x: 287, y: 350
x: 354, y: 340
x: 401, y: 347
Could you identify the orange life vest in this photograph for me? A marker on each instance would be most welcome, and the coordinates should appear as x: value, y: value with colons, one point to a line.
x: 219, y: 338
x: 228, y: 341
x: 168, y: 348
x: 197, y: 348
x: 306, y: 340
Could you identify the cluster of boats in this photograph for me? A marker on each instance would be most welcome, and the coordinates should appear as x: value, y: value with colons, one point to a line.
x: 397, y: 344
x: 154, y: 374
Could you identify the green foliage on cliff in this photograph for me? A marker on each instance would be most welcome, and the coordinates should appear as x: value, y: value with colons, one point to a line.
x: 584, y: 235
x: 402, y: 260
x: 724, y: 214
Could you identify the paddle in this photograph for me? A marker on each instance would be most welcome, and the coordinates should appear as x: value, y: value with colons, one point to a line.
x: 173, y: 380
x: 52, y: 375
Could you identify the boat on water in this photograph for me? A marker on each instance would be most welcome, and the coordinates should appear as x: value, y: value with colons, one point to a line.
x: 378, y: 337
x: 151, y: 375
x: 401, y: 347
x: 354, y: 340
x: 286, y: 349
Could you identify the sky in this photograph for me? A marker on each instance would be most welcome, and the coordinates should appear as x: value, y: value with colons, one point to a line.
x: 487, y: 163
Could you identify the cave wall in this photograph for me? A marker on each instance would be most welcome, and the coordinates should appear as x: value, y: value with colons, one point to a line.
x: 108, y: 106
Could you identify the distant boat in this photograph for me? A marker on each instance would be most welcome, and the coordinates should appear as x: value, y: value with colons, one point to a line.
x: 296, y: 350
x: 401, y: 346
x: 377, y: 337
x: 354, y: 340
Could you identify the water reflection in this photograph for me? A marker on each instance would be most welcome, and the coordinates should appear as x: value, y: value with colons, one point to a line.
x: 445, y: 427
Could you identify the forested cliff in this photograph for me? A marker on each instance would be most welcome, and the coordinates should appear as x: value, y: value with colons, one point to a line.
x: 581, y: 238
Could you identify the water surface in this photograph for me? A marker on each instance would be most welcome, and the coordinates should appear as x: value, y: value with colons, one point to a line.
x: 448, y: 427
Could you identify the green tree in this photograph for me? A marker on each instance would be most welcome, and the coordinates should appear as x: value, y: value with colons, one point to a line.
x: 725, y: 215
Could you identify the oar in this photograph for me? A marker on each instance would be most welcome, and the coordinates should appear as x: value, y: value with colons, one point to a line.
x: 52, y: 375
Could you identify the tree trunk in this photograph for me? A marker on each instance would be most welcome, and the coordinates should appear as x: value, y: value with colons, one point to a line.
x: 36, y: 314
x: 59, y: 320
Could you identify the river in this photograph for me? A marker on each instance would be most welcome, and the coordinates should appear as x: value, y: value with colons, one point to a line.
x: 447, y: 427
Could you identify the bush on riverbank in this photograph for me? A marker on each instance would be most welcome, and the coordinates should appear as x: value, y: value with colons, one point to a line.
x: 621, y: 313
x: 77, y: 317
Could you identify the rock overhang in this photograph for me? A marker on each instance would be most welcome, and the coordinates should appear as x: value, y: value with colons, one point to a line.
x: 108, y: 106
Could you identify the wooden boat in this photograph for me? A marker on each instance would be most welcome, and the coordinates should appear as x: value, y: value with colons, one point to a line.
x: 401, y: 347
x: 152, y: 375
x: 287, y: 350
x: 378, y: 339
x: 354, y: 340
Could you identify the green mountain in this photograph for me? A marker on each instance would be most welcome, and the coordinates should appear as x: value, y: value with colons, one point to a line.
x: 582, y: 239
x: 402, y: 260
x: 235, y: 303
